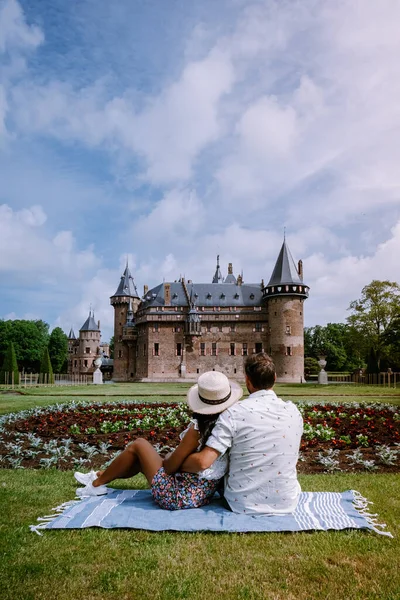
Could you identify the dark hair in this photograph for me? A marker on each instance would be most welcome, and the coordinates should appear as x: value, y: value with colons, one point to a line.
x: 206, y: 424
x: 260, y: 370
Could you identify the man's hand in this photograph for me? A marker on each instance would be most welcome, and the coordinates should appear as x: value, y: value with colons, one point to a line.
x: 198, y: 461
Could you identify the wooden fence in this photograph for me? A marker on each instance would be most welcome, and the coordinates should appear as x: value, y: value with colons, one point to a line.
x: 44, y: 380
x: 384, y: 379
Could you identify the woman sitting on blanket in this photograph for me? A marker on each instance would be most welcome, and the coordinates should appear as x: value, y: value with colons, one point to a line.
x: 171, y: 489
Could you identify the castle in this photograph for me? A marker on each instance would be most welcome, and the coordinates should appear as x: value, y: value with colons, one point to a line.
x: 83, y: 351
x: 181, y: 329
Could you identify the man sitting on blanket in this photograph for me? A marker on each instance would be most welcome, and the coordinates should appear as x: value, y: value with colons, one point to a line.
x: 262, y: 434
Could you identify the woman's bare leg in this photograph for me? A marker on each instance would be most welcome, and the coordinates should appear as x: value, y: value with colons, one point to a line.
x: 138, y: 457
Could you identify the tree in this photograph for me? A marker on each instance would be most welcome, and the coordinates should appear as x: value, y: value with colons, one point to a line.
x: 29, y: 339
x: 10, y: 366
x: 58, y: 350
x: 338, y: 342
x: 374, y: 313
x: 46, y: 370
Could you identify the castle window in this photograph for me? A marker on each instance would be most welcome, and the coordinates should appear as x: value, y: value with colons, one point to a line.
x: 176, y: 329
x: 276, y: 313
x: 75, y: 363
x: 202, y: 349
x: 289, y: 351
x: 85, y: 363
x: 209, y: 327
x: 144, y: 349
x: 258, y: 347
x: 220, y: 328
x: 156, y: 351
x: 244, y: 349
x: 156, y: 327
x: 233, y: 328
x: 119, y: 353
x: 179, y: 349
x: 198, y: 370
x: 258, y: 327
x: 251, y: 296
x: 75, y: 350
x: 214, y: 350
x: 257, y: 308
x: 288, y: 329
x: 87, y: 350
x: 232, y: 351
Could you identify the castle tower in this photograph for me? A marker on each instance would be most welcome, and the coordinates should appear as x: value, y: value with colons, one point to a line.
x: 284, y: 295
x: 72, y: 348
x: 125, y: 302
x: 89, y: 344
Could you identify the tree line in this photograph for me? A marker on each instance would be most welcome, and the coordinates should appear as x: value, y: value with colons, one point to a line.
x: 370, y: 338
x: 28, y: 346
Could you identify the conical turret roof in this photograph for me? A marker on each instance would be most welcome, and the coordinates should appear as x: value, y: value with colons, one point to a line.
x: 90, y: 324
x: 285, y: 270
x: 71, y: 335
x: 126, y: 286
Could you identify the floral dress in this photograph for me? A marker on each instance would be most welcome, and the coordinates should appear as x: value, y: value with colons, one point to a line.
x: 188, y: 490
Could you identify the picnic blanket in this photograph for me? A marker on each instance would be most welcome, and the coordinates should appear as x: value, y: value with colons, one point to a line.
x: 135, y: 509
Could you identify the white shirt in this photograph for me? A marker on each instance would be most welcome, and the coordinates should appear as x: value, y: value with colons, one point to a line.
x: 263, y: 434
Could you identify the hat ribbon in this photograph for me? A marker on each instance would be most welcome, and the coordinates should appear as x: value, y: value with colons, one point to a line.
x: 221, y: 401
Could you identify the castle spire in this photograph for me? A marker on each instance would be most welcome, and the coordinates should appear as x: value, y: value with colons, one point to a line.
x: 127, y: 285
x: 217, y: 275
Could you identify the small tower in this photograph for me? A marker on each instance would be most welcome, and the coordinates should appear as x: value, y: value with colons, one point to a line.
x: 230, y: 278
x: 125, y: 302
x: 285, y: 294
x: 72, y: 348
x: 89, y: 344
x: 218, y: 275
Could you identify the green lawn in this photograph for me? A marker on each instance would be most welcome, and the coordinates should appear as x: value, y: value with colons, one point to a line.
x: 98, y: 564
x: 11, y: 401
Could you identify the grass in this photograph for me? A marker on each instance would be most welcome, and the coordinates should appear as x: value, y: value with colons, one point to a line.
x: 99, y: 564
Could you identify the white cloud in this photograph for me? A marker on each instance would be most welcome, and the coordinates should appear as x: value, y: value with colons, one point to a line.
x: 26, y: 249
x: 15, y: 33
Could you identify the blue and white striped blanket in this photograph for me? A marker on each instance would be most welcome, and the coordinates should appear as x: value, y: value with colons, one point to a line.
x: 135, y: 509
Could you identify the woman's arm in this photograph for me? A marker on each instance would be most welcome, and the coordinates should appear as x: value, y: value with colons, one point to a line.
x: 187, y: 446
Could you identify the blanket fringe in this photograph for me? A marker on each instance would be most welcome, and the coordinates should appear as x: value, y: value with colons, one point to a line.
x: 360, y: 503
x: 57, y: 512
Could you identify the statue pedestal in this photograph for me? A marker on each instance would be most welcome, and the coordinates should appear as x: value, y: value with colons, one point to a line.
x: 323, y: 377
x: 97, y: 377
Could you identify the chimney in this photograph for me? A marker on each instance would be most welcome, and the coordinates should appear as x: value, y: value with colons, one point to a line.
x: 167, y: 293
x: 98, y: 325
x: 300, y: 269
x: 145, y: 289
x: 239, y: 280
x: 230, y: 269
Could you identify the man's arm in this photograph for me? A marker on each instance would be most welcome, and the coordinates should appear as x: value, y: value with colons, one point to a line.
x: 219, y: 442
x: 198, y: 461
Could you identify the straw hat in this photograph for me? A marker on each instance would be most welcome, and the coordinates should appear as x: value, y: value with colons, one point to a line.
x: 213, y: 393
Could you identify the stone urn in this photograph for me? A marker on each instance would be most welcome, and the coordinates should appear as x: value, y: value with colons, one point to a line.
x: 322, y: 375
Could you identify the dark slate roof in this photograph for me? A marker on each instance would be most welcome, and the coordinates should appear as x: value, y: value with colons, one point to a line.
x: 285, y: 270
x: 90, y: 324
x: 72, y: 335
x: 205, y: 294
x: 126, y: 286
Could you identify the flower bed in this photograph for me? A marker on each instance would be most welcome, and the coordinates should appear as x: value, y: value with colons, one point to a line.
x: 350, y: 437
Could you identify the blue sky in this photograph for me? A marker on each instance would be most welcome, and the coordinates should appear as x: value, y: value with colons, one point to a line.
x: 171, y: 131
